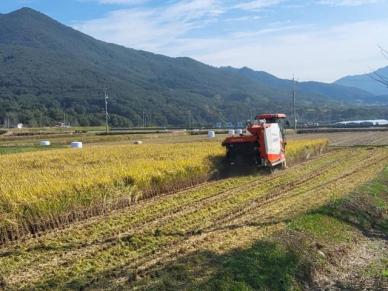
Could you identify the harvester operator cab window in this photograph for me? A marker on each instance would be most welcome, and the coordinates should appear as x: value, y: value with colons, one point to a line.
x: 283, y: 124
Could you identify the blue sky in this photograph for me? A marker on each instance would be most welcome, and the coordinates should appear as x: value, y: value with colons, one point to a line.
x: 314, y: 40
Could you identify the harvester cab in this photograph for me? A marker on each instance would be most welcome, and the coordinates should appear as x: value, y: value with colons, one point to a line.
x: 262, y: 145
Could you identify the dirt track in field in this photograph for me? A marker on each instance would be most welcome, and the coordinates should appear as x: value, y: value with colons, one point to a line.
x: 218, y: 216
x: 363, y: 138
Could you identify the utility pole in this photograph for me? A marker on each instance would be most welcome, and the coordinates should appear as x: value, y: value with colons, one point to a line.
x: 294, y: 101
x: 189, y: 115
x: 150, y: 119
x: 106, y: 110
x: 144, y: 121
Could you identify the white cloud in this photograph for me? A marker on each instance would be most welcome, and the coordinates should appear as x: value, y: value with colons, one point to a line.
x: 152, y: 29
x: 349, y: 2
x: 257, y: 4
x: 130, y: 2
x: 119, y: 2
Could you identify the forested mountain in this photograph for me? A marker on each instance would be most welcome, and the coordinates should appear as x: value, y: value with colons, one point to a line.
x: 367, y: 83
x: 312, y: 90
x: 48, y: 69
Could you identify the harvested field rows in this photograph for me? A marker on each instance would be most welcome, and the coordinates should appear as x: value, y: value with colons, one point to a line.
x: 112, y: 251
x: 364, y: 138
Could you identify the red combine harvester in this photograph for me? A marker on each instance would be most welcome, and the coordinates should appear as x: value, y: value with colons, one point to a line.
x: 264, y: 144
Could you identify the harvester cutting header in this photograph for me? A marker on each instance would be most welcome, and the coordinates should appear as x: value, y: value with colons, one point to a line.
x: 263, y: 145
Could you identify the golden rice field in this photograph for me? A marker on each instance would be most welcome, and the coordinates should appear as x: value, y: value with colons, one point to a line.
x: 49, y: 189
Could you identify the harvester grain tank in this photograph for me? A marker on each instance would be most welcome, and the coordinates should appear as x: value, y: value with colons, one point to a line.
x: 263, y: 145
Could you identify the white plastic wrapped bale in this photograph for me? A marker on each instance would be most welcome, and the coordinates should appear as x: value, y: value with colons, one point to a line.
x: 211, y: 134
x: 239, y: 131
x: 44, y: 143
x: 76, y: 145
x: 231, y: 132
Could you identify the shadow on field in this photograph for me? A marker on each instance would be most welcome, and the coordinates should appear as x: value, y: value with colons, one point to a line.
x: 365, y: 210
x: 266, y: 265
x: 221, y: 169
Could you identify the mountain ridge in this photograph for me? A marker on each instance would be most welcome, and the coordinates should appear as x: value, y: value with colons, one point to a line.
x: 337, y: 91
x: 366, y: 82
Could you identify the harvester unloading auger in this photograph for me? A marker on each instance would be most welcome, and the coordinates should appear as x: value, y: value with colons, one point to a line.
x: 264, y: 144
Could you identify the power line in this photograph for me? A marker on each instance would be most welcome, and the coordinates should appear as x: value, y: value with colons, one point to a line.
x: 106, y: 111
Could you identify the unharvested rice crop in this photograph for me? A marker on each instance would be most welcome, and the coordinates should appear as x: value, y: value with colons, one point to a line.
x: 46, y: 190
